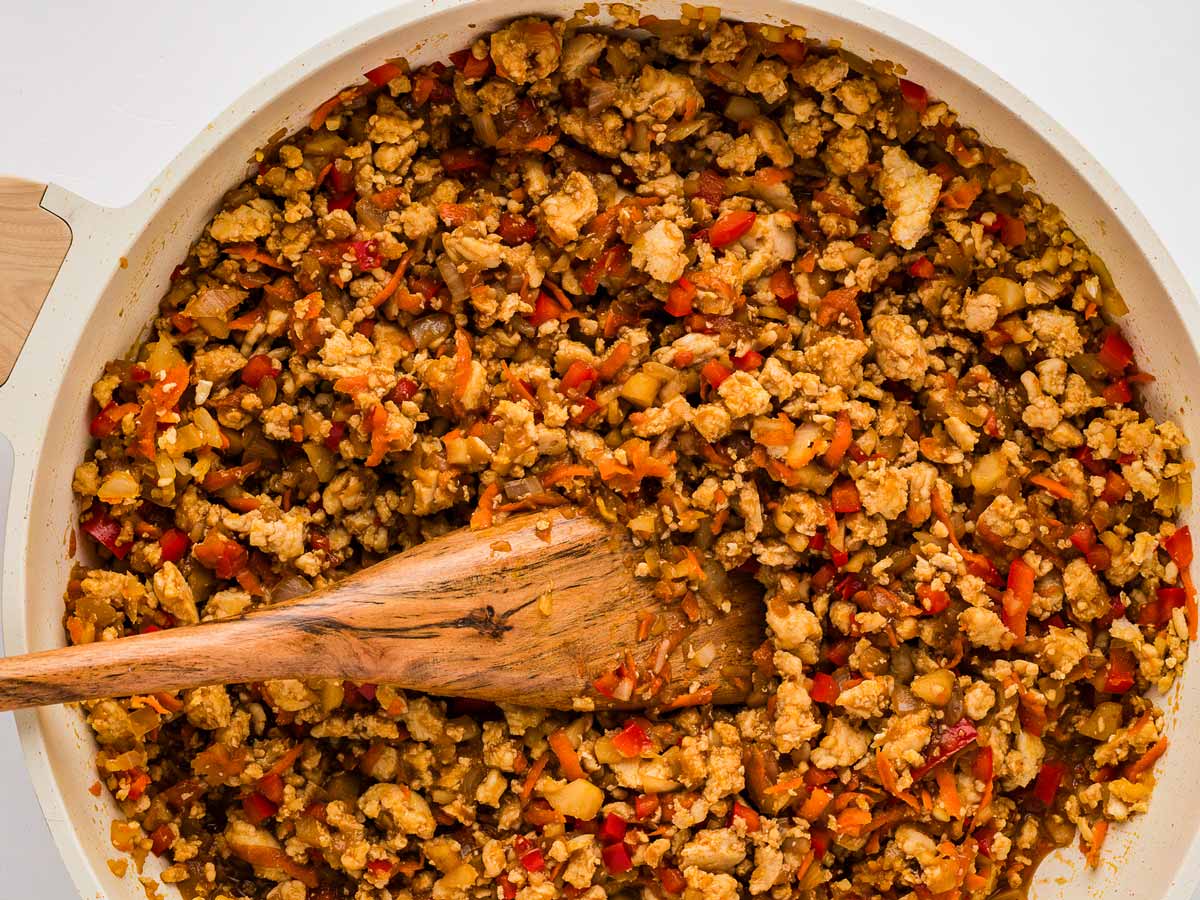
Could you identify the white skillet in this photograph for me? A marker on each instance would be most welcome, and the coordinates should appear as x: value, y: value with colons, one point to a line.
x: 97, y: 306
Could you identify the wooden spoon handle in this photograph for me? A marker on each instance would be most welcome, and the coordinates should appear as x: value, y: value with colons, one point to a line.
x: 33, y: 243
x: 143, y: 664
x: 458, y: 615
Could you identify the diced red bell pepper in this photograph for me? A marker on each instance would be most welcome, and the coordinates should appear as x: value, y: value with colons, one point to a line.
x: 825, y: 689
x: 405, y: 389
x: 933, y: 601
x: 714, y: 373
x: 533, y: 860
x: 161, y: 838
x: 1018, y: 598
x: 1012, y: 230
x: 1157, y: 612
x: 381, y: 75
x: 680, y: 298
x: 366, y: 255
x: 1115, y: 353
x: 1115, y: 488
x: 337, y: 431
x: 173, y: 544
x: 957, y: 737
x: 105, y: 530
x: 257, y: 368
x: 820, y: 841
x: 748, y: 361
x: 783, y: 286
x: 107, y: 420
x: 578, y: 379
x: 587, y: 408
x: 730, y: 227
x: 1119, y: 677
x: 631, y: 740
x: 470, y: 65
x: 545, y: 309
x: 613, y: 262
x: 516, y: 229
x: 914, y: 95
x: 671, y: 880
x: 747, y: 815
x: 613, y: 829
x: 983, y: 765
x: 1179, y: 547
x: 983, y: 839
x: 1049, y: 780
x: 507, y: 888
x: 258, y: 808
x: 646, y: 805
x: 1117, y: 392
x: 616, y: 859
x: 225, y: 557
x: 271, y: 787
x: 921, y: 268
x: 460, y: 160
x: 844, y: 497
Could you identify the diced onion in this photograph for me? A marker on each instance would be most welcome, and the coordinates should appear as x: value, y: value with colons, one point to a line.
x: 579, y: 798
x: 705, y: 655
x: 215, y: 303
x: 453, y: 278
x: 118, y: 487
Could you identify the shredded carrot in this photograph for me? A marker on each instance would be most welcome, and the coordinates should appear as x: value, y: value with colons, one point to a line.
x: 321, y: 113
x: 1099, y: 833
x: 352, y: 384
x: 253, y: 253
x: 568, y: 759
x: 462, y: 363
x: 564, y: 472
x: 888, y: 818
x: 519, y: 386
x: 806, y: 864
x: 393, y: 282
x: 482, y: 517
x: 542, y: 143
x: 843, y: 434
x: 888, y: 778
x: 1057, y: 488
x: 962, y: 195
x: 852, y: 820
x: 152, y: 702
x: 557, y: 293
x: 611, y: 364
x: 1147, y: 760
x: 695, y: 698
x: 949, y: 791
x: 286, y: 761
x: 535, y: 772
x: 170, y: 701
x: 814, y: 804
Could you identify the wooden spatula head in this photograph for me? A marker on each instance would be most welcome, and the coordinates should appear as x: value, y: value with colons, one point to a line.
x: 544, y: 609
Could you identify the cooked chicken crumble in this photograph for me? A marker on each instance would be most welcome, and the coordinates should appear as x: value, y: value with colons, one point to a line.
x: 772, y: 308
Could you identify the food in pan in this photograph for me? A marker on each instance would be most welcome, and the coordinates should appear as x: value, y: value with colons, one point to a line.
x: 772, y: 308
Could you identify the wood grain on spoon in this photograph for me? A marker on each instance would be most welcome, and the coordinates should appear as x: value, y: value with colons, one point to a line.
x: 517, y: 613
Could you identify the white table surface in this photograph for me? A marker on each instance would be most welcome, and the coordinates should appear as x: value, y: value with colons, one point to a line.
x: 98, y: 97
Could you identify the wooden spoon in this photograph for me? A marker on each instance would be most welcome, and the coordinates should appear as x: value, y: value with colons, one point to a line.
x: 529, y: 611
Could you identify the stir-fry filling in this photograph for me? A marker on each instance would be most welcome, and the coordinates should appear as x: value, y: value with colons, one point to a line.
x: 766, y: 304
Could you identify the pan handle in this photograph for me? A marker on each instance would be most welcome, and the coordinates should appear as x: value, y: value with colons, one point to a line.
x: 33, y: 244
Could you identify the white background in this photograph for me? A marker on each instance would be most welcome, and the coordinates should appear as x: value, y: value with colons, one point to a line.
x: 99, y: 96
